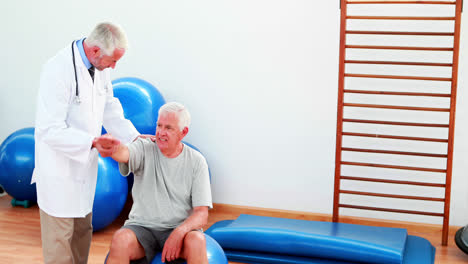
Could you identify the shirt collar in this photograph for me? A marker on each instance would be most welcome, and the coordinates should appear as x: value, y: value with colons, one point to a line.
x: 86, y: 62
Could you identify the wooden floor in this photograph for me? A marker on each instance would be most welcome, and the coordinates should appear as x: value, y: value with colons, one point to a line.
x: 20, y: 240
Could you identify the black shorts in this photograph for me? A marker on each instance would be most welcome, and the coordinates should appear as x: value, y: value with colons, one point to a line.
x: 152, y: 241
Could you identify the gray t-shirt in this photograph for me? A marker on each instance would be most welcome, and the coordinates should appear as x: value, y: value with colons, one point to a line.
x: 165, y: 190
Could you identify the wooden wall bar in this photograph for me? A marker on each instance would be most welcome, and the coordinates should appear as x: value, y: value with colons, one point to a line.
x: 350, y: 98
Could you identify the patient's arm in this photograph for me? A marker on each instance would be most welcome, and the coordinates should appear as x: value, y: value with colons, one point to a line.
x: 121, y: 154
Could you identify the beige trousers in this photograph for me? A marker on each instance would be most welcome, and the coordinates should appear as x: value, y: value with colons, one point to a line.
x: 65, y: 240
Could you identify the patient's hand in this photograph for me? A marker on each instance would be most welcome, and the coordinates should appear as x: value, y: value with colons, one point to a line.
x: 106, y: 145
x: 173, y: 246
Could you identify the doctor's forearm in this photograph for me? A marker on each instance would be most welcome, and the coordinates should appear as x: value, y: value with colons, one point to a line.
x: 58, y: 139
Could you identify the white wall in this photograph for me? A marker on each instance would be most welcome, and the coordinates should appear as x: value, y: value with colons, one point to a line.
x: 259, y: 77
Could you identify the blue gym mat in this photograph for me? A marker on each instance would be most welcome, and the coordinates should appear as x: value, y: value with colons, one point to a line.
x: 258, y: 239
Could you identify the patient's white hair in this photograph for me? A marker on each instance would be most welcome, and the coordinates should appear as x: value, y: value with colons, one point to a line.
x: 181, y: 112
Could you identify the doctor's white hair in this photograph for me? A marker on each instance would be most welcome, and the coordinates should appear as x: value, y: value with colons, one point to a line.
x: 179, y: 110
x: 108, y: 37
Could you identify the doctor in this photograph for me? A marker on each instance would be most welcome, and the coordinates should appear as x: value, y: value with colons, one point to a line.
x: 72, y: 106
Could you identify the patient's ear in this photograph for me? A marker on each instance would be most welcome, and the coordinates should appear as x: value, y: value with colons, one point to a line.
x: 184, y: 131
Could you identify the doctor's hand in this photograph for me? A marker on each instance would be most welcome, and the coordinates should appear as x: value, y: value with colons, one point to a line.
x: 106, y: 145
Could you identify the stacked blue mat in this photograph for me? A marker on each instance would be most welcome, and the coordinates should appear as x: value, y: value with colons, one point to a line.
x: 259, y: 239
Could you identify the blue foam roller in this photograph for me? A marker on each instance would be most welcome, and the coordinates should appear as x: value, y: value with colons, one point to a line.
x: 235, y: 237
x: 417, y: 251
x: 270, y: 258
x: 355, y: 243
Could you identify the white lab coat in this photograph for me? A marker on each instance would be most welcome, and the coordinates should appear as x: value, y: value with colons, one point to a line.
x: 65, y: 165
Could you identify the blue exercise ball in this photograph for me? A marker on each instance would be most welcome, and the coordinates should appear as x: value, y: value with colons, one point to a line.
x: 213, y: 250
x: 192, y: 146
x: 17, y: 165
x: 111, y: 193
x: 140, y: 102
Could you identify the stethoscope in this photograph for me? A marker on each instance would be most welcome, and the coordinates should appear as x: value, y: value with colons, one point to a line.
x: 77, y: 91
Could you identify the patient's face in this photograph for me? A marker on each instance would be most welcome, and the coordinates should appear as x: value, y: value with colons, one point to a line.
x: 168, y: 134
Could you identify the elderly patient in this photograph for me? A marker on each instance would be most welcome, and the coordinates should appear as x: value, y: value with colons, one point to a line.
x: 171, y: 195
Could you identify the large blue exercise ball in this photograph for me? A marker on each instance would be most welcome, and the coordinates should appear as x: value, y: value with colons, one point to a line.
x: 140, y: 102
x: 111, y: 193
x: 213, y: 250
x: 17, y: 165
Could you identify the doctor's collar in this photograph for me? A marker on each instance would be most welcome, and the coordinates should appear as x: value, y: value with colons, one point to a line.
x: 79, y: 44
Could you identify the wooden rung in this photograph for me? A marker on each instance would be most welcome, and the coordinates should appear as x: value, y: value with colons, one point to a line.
x: 407, y: 33
x: 428, y: 184
x: 391, y: 166
x: 434, y: 109
x: 401, y: 63
x: 422, y: 78
x: 395, y: 152
x: 379, y: 122
x: 422, y: 198
x: 400, y: 18
x: 398, y: 47
x: 394, y: 137
x: 404, y: 2
x: 396, y: 93
x: 389, y: 210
